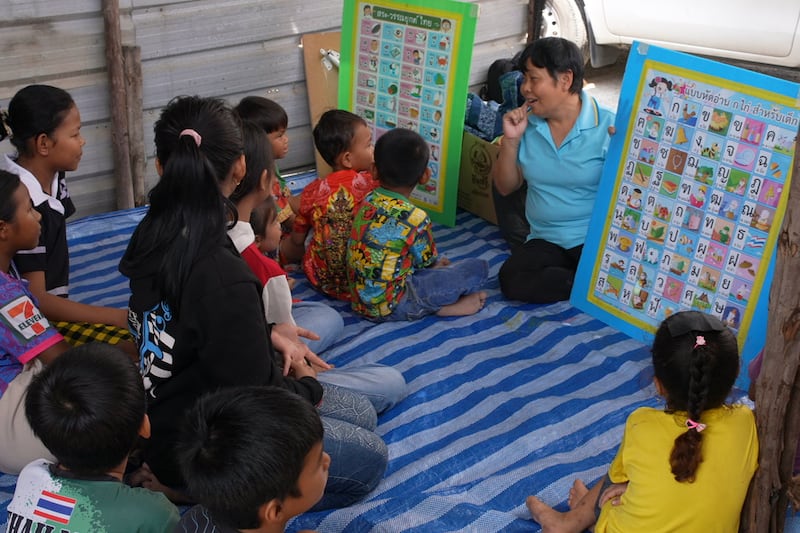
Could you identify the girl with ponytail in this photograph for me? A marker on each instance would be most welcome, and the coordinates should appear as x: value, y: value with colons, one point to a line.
x: 196, y: 309
x: 686, y: 467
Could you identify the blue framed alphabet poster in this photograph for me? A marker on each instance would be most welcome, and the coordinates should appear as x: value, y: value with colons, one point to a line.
x: 692, y: 196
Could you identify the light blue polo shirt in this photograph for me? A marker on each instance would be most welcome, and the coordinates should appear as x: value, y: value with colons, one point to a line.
x: 562, y: 182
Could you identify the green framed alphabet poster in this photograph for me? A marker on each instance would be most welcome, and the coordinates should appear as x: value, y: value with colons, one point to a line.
x: 406, y: 64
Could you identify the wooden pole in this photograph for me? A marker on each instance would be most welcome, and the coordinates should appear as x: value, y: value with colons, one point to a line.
x: 535, y: 8
x: 133, y: 82
x: 119, y: 115
x: 778, y: 385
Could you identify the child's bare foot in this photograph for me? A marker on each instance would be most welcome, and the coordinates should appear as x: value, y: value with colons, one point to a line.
x: 551, y: 520
x: 576, y: 493
x: 469, y: 304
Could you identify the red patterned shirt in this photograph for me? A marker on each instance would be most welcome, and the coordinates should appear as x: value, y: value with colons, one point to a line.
x: 328, y: 206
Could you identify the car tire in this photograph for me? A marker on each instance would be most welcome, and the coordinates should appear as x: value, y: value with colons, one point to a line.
x: 564, y: 18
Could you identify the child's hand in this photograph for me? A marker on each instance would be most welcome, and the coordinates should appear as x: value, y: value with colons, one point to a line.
x: 443, y: 261
x: 613, y: 492
x: 286, y: 339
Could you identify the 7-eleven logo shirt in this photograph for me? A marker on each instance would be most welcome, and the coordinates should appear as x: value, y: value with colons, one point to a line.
x: 24, y: 331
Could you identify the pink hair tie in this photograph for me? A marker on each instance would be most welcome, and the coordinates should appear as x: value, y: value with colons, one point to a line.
x: 699, y: 341
x: 697, y: 426
x: 193, y: 134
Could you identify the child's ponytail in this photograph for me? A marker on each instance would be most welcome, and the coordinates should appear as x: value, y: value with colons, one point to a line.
x: 687, y: 453
x: 197, y: 142
x: 696, y: 360
x: 192, y: 211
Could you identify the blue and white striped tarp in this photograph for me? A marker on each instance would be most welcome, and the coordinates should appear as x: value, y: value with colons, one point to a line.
x: 516, y: 400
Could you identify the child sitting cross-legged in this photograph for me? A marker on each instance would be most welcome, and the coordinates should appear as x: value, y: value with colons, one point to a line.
x: 394, y: 270
x: 253, y: 458
x: 328, y: 204
x: 272, y: 119
x: 301, y: 329
x: 686, y: 467
x: 88, y: 408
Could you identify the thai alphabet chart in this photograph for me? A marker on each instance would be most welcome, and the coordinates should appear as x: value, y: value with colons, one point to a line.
x: 693, y: 197
x: 404, y: 74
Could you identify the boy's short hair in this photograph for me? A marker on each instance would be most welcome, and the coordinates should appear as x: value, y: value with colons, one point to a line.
x: 266, y: 114
x: 401, y: 157
x: 241, y: 447
x: 334, y: 133
x: 263, y: 214
x: 87, y: 407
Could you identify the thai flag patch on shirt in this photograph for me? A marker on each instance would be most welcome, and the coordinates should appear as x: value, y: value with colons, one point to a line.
x: 52, y: 506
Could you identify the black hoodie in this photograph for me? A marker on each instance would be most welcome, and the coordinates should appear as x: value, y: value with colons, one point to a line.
x: 219, y: 338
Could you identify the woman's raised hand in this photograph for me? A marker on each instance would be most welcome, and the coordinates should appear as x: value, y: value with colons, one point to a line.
x: 515, y: 122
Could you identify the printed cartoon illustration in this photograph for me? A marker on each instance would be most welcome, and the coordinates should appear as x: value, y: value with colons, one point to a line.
x: 661, y: 87
x: 731, y: 317
x: 698, y: 196
x: 635, y: 199
x: 763, y: 220
x: 753, y: 131
x: 688, y: 114
x: 720, y: 121
x: 654, y: 129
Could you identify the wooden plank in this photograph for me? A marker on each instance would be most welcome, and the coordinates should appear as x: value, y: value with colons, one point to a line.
x: 50, y: 49
x: 13, y: 11
x: 206, y: 25
x: 221, y: 72
x: 498, y: 19
x: 322, y: 81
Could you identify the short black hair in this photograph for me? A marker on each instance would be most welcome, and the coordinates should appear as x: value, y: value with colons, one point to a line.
x: 258, y: 158
x: 334, y: 133
x: 401, y: 157
x: 241, y: 447
x: 87, y: 407
x: 266, y: 114
x: 557, y: 55
x: 262, y: 215
x: 9, y: 182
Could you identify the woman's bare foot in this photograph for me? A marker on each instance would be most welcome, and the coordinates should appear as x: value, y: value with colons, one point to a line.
x: 576, y: 493
x: 468, y: 304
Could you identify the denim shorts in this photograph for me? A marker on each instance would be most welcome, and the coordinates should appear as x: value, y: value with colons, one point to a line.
x: 430, y: 289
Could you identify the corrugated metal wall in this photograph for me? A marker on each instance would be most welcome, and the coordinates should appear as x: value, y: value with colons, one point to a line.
x: 227, y: 48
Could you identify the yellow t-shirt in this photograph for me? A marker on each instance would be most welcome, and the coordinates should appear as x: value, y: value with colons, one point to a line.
x: 654, y: 501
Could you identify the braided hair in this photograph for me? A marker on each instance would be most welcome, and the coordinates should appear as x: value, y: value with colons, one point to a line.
x: 696, y: 359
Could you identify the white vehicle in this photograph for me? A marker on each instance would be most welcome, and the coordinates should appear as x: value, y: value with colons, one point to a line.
x: 762, y: 31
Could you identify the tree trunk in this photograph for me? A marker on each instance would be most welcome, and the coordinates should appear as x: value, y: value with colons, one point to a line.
x: 777, y: 394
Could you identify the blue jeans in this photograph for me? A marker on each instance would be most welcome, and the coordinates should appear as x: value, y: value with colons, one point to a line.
x: 320, y: 318
x: 358, y: 454
x: 382, y: 385
x: 430, y: 289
